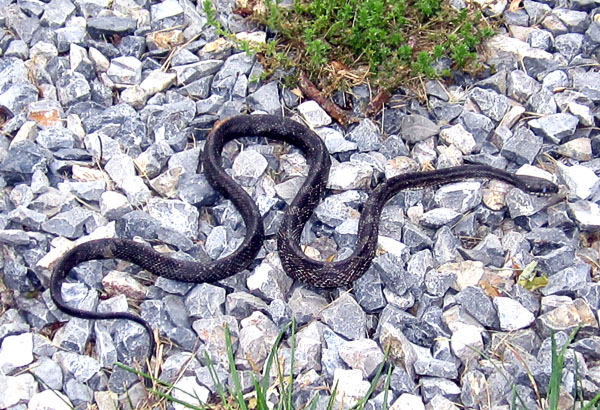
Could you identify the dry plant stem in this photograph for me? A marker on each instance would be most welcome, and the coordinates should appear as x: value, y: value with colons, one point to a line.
x: 309, y: 90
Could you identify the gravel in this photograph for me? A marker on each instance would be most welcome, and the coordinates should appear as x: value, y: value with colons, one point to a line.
x: 105, y: 143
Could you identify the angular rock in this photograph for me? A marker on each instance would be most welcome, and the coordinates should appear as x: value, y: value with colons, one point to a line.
x: 314, y: 115
x: 415, y: 128
x: 366, y: 136
x: 586, y: 214
x: 555, y: 127
x: 362, y: 354
x: 266, y: 99
x: 110, y: 25
x: 345, y: 317
x: 490, y: 103
x: 512, y: 314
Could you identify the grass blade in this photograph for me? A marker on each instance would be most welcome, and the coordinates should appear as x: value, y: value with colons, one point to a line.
x: 331, y: 401
x: 558, y: 359
x: 292, y: 354
x: 261, y: 400
x: 555, y: 377
x: 174, y: 400
x: 314, y: 401
x: 272, y: 355
x: 169, y: 386
x: 237, y: 393
x: 282, y: 400
x: 386, y: 388
x: 361, y: 404
x: 592, y: 404
x: 216, y: 381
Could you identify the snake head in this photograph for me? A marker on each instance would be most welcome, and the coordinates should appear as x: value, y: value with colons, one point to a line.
x: 538, y: 186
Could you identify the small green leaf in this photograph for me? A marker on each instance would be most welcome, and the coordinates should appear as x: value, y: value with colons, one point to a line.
x: 529, y: 280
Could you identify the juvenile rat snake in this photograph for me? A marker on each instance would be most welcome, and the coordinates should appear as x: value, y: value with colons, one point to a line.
x: 294, y: 261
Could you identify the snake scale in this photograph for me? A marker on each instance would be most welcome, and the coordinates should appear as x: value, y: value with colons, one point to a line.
x: 294, y: 261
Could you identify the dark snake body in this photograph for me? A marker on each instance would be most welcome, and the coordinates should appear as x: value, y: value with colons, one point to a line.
x: 294, y: 261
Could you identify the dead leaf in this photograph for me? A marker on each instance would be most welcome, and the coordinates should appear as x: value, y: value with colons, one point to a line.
x: 514, y: 6
x: 489, y: 290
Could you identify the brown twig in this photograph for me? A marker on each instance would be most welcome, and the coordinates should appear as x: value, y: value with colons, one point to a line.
x: 377, y: 102
x: 309, y: 90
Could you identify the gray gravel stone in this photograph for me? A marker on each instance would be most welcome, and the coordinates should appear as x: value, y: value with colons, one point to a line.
x: 576, y: 21
x: 555, y: 79
x: 433, y: 386
x: 490, y: 103
x: 81, y: 367
x: 428, y: 366
x: 477, y: 124
x: 14, y: 237
x: 69, y: 223
x: 205, y: 301
x: 569, y: 45
x: 306, y: 305
x: 556, y: 260
x: 460, y: 197
x: 512, y: 314
x: 521, y: 86
x: 248, y: 166
x: 587, y: 83
x: 439, y: 216
x: 268, y: 282
x: 27, y: 218
x: 478, y: 304
x: 242, y: 304
x: 368, y: 291
x: 166, y: 14
x: 542, y: 102
x: 125, y: 70
x: 586, y: 214
x: 555, y: 127
x: 17, y: 388
x: 257, y: 335
x: 366, y: 136
x: 581, y: 181
x: 266, y: 99
x: 16, y: 352
x: 568, y: 281
x: 415, y: 128
x: 57, y: 12
x: 313, y: 114
x: 109, y: 25
x: 22, y: 160
x: 345, y: 317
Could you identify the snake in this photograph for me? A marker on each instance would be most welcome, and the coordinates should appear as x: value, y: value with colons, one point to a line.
x: 295, y: 262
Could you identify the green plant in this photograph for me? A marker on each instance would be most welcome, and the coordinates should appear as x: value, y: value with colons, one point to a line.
x: 558, y: 361
x: 553, y: 394
x: 337, y: 41
x: 232, y: 397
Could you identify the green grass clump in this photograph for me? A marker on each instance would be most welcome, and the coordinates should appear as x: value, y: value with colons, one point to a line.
x: 343, y: 42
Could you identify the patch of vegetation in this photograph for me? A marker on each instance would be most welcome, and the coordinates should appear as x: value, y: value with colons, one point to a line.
x: 554, y: 390
x: 339, y: 43
x: 232, y: 397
